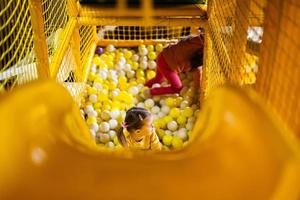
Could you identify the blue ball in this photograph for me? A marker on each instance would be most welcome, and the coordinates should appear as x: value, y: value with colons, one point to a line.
x: 99, y: 51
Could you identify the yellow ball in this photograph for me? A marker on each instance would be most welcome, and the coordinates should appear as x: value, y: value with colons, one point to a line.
x: 134, y: 65
x: 112, y: 85
x: 103, y: 56
x: 150, y: 74
x: 181, y: 120
x: 91, y: 120
x: 128, y: 54
x: 92, y: 90
x: 110, y: 58
x: 140, y: 73
x: 160, y: 133
x: 106, y: 107
x: 150, y: 48
x: 116, y: 141
x: 97, y: 105
x: 188, y: 112
x: 170, y: 102
x: 152, y: 55
x: 167, y: 119
x: 159, y: 47
x: 97, y: 60
x: 98, y: 80
x: 123, y: 86
x: 110, y: 64
x: 92, y: 77
x: 178, y: 100
x: 133, y: 83
x: 175, y: 112
x: 177, y: 142
x: 167, y: 140
x: 122, y: 79
x: 141, y: 80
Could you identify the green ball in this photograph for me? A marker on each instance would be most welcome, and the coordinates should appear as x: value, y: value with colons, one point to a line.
x: 167, y: 140
x: 177, y: 142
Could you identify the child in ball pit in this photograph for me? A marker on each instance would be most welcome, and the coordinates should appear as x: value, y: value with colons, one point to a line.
x: 184, y: 56
x: 137, y: 131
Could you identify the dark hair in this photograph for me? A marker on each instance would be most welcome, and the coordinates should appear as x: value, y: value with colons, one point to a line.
x: 134, y: 120
x: 197, y: 59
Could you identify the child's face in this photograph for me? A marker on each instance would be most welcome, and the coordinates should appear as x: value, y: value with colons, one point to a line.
x: 145, y: 131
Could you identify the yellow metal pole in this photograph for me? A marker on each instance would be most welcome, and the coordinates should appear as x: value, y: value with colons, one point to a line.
x: 39, y: 38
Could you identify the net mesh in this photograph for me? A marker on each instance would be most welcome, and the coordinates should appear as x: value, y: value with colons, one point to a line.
x: 17, y: 59
x: 55, y: 20
x: 279, y: 70
x: 141, y: 32
x: 234, y: 32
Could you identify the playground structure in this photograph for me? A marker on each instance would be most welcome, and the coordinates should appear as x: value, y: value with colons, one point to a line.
x: 248, y: 151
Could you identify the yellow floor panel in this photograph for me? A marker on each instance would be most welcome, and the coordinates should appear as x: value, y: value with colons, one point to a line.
x: 237, y: 152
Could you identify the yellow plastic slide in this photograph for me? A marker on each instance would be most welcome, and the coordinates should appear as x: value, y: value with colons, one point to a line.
x: 237, y: 152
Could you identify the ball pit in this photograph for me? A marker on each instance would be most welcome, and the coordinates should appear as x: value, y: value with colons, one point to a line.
x: 116, y: 83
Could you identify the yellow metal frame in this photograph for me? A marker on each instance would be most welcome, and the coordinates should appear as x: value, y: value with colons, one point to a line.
x: 39, y: 38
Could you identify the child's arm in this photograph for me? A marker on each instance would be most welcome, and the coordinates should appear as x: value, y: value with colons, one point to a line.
x: 197, y: 77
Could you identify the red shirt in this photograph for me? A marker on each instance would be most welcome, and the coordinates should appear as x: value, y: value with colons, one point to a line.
x: 178, y: 55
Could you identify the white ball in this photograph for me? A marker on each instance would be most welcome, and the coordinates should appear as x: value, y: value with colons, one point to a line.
x: 130, y: 73
x: 165, y: 109
x: 112, y: 134
x: 114, y: 93
x: 149, y: 103
x: 122, y: 60
x: 144, y: 58
x: 184, y: 104
x: 134, y: 90
x: 182, y: 133
x: 155, y: 117
x: 93, y: 98
x: 93, y: 133
x: 127, y: 67
x: 172, y: 125
x: 143, y: 51
x: 155, y: 109
x: 113, y: 123
x: 162, y: 102
x: 93, y: 68
x: 161, y: 114
x: 135, y: 57
x: 156, y: 85
x: 152, y: 64
x: 104, y: 138
x: 102, y: 75
x: 110, y: 144
x: 88, y: 109
x: 189, y: 126
x: 104, y: 127
x: 120, y: 66
x: 97, y: 86
x: 93, y: 113
x: 168, y: 132
x: 110, y: 48
x: 140, y: 86
x: 105, y: 115
x: 94, y: 127
x: 144, y: 64
x: 114, y: 114
x: 141, y: 105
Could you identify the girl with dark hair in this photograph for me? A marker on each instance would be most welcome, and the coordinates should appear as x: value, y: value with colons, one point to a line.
x: 184, y: 56
x: 137, y: 131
